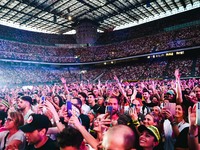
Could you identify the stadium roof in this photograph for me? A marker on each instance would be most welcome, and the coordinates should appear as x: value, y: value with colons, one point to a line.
x: 53, y: 16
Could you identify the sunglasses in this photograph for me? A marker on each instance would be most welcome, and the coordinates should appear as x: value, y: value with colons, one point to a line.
x: 8, y: 119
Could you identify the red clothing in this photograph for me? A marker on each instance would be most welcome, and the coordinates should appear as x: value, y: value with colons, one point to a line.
x: 2, y: 129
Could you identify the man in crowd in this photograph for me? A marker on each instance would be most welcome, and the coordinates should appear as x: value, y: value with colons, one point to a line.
x: 84, y: 118
x: 95, y: 107
x: 69, y: 139
x: 147, y: 103
x: 114, y: 102
x: 137, y: 106
x: 24, y: 106
x: 35, y: 131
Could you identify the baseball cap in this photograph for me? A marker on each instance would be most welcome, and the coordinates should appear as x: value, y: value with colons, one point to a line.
x: 5, y: 103
x: 151, y: 129
x: 20, y: 94
x: 27, y: 98
x: 171, y: 92
x: 92, y: 112
x: 36, y: 121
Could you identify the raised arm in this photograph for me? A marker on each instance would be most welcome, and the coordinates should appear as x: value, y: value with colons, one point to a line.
x: 193, y: 129
x: 99, y: 88
x: 87, y: 136
x: 154, y: 90
x: 179, y: 98
x: 120, y: 87
x: 64, y: 82
x: 56, y: 117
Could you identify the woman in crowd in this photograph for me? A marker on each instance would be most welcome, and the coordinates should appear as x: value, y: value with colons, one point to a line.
x: 57, y: 102
x: 85, y: 108
x: 180, y: 127
x: 13, y: 138
x: 156, y: 112
x: 149, y: 120
x: 149, y: 138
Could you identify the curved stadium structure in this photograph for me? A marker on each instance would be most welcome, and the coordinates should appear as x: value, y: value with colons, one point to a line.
x: 150, y: 50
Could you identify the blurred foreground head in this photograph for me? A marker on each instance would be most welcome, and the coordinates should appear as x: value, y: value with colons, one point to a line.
x: 119, y: 137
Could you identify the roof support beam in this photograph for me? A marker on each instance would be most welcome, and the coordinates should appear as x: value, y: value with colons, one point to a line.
x: 174, y: 3
x: 191, y: 2
x: 124, y: 10
x: 118, y: 12
x: 167, y: 5
x: 35, y: 17
x: 133, y: 11
x: 154, y: 9
x: 141, y: 5
x: 149, y: 12
x: 95, y: 9
x: 10, y: 10
x: 162, y: 9
x: 41, y: 10
x: 30, y: 4
x: 21, y: 10
x: 8, y: 2
x: 183, y: 3
x: 91, y: 10
x: 87, y: 4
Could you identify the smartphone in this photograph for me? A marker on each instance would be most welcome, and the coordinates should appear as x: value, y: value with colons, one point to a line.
x: 198, y: 114
x: 48, y: 94
x: 109, y: 110
x: 171, y: 107
x: 132, y: 105
x: 43, y: 99
x: 69, y: 108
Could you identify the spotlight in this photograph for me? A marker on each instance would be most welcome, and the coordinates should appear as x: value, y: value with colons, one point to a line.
x: 69, y: 18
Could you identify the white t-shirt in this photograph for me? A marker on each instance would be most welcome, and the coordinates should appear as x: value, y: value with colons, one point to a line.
x: 19, y: 135
x: 85, y: 109
x: 169, y: 141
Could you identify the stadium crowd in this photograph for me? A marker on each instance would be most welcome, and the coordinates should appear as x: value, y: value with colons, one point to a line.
x: 153, y: 114
x: 30, y: 74
x: 136, y: 71
x: 16, y: 74
x: 186, y: 37
x: 147, y: 105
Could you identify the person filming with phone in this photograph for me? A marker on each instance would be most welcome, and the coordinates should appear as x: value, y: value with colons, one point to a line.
x: 114, y: 102
x: 179, y: 126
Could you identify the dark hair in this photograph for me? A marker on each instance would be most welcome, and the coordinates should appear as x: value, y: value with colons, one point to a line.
x: 91, y: 94
x: 3, y: 116
x: 78, y: 105
x: 115, y: 97
x: 60, y: 100
x: 79, y: 102
x: 185, y: 112
x: 145, y: 90
x: 83, y: 95
x: 69, y: 137
x: 27, y: 98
